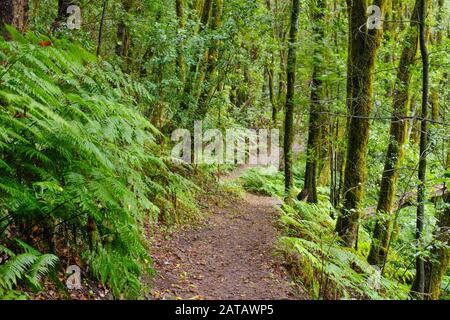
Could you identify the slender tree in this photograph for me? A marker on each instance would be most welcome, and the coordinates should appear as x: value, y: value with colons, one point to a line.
x: 437, y: 265
x: 269, y: 68
x: 397, y: 139
x: 181, y: 68
x: 289, y: 107
x: 280, y: 15
x: 209, y: 65
x: 100, y: 30
x: 309, y: 192
x: 418, y: 288
x: 123, y: 32
x: 205, y: 14
x: 63, y: 5
x: 363, y: 43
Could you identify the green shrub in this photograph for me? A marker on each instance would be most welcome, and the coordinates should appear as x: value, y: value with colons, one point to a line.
x: 79, y: 162
x: 29, y: 266
x: 328, y: 269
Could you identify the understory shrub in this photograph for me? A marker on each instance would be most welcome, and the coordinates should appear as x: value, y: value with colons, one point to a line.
x: 314, y: 253
x: 81, y: 170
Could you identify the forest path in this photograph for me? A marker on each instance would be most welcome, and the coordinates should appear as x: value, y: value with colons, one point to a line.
x: 230, y: 256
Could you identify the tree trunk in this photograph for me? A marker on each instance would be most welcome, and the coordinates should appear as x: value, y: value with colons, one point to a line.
x: 363, y: 47
x: 437, y: 266
x: 434, y: 94
x: 14, y: 13
x: 63, y: 5
x: 187, y: 98
x: 289, y: 116
x: 270, y: 68
x: 206, y: 12
x: 209, y: 65
x: 309, y: 192
x: 100, y: 30
x: 181, y: 68
x: 272, y: 97
x: 280, y: 34
x: 397, y: 139
x: 418, y: 288
x: 123, y: 34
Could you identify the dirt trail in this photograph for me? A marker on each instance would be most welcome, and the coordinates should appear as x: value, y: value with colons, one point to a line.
x: 228, y: 257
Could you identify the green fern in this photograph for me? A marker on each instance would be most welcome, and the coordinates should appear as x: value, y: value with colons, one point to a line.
x: 76, y: 148
x: 329, y: 269
x: 30, y: 265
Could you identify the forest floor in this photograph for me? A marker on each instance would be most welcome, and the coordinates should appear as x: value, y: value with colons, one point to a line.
x: 228, y: 256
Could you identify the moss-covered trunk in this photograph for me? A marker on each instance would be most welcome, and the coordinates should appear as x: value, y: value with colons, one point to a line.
x: 188, y: 90
x: 397, y: 139
x: 272, y: 97
x: 181, y: 69
x: 289, y: 106
x: 309, y: 191
x: 418, y: 288
x: 363, y: 48
x: 208, y: 80
x: 437, y: 265
x: 270, y: 67
x: 123, y: 33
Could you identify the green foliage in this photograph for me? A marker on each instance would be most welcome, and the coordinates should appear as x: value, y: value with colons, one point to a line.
x: 262, y: 181
x: 29, y: 266
x: 445, y: 288
x: 78, y: 160
x: 313, y: 251
x: 326, y: 268
x: 268, y: 181
x: 82, y: 167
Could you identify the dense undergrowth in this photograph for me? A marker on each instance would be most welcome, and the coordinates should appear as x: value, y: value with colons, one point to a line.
x: 81, y: 170
x: 317, y: 259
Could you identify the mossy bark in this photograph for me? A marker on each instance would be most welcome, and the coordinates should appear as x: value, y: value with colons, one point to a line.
x: 208, y: 79
x: 189, y: 89
x: 272, y: 97
x: 418, y: 288
x: 437, y: 265
x: 397, y: 139
x: 363, y: 48
x: 309, y: 191
x: 270, y: 69
x: 205, y: 14
x: 435, y: 103
x: 289, y: 106
x: 280, y: 36
x: 181, y: 68
x: 100, y: 29
x: 123, y: 34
